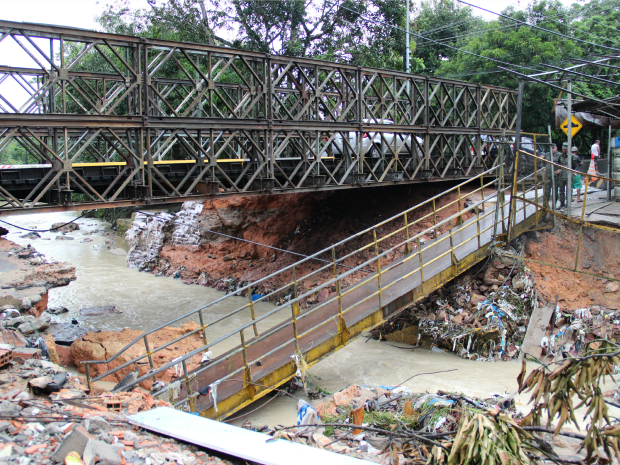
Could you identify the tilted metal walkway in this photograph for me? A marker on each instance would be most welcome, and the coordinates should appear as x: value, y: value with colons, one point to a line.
x: 104, y: 120
x: 393, y: 268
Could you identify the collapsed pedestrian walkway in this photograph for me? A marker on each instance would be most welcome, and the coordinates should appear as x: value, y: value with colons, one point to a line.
x: 393, y: 270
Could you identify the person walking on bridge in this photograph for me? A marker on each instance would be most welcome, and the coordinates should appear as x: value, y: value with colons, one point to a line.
x: 562, y: 175
x: 595, y: 150
x: 576, y: 177
x: 552, y: 157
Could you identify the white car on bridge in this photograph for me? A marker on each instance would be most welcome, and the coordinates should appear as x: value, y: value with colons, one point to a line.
x: 374, y: 145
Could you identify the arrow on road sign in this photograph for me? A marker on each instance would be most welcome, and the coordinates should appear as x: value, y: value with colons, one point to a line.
x: 575, y: 126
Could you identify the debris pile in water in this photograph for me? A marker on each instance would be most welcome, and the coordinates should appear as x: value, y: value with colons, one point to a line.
x: 391, y: 425
x: 485, y: 317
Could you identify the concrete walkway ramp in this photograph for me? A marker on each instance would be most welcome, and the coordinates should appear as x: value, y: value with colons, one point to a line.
x: 232, y: 440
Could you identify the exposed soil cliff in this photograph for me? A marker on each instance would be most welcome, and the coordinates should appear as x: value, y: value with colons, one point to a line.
x: 599, y: 254
x: 105, y: 344
x: 299, y: 223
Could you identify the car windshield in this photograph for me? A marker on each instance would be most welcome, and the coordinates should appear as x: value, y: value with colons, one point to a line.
x: 377, y: 121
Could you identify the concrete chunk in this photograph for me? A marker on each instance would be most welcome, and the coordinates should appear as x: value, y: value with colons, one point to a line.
x: 97, y: 425
x: 101, y: 453
x: 75, y: 441
x: 39, y: 324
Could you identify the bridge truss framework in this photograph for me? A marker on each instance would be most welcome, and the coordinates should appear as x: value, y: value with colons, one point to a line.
x: 108, y: 120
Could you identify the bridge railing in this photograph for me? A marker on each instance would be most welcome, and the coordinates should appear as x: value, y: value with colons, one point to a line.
x: 71, y: 96
x: 358, y: 261
x: 61, y: 70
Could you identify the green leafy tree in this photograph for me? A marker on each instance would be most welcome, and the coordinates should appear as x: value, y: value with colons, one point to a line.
x: 524, y: 48
x: 364, y: 32
x: 444, y: 21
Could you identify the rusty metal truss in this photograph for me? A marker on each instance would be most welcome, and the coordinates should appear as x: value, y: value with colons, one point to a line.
x: 109, y: 120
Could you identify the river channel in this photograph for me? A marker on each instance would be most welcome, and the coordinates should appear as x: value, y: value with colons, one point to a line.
x: 146, y: 301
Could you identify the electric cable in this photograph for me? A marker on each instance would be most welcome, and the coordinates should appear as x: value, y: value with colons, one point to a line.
x: 469, y: 34
x: 435, y: 41
x: 46, y: 230
x: 555, y: 18
x: 252, y: 242
x: 501, y: 15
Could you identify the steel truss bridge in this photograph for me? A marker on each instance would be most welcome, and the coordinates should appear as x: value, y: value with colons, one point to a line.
x: 104, y: 120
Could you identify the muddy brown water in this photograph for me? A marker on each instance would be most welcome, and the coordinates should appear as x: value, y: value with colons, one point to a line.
x: 146, y: 301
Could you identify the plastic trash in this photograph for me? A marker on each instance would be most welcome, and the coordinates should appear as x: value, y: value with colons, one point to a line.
x: 57, y: 383
x: 306, y: 415
x: 207, y: 357
x: 10, y: 313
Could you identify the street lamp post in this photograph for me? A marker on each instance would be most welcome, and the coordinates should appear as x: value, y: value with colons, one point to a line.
x: 407, y: 51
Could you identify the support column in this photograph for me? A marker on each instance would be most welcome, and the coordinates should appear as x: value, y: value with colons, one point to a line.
x: 569, y: 182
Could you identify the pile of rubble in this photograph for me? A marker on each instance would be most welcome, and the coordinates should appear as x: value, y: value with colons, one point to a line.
x: 482, y: 317
x: 47, y: 414
x: 391, y: 425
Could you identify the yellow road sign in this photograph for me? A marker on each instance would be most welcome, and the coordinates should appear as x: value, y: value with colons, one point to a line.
x: 575, y: 126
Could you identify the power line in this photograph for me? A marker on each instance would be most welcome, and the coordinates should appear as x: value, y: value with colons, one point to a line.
x: 434, y: 41
x: 482, y: 31
x: 501, y: 15
x: 551, y: 18
x: 248, y: 241
x: 47, y: 230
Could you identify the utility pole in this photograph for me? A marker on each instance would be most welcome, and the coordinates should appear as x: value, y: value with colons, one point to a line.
x: 569, y: 164
x: 407, y: 47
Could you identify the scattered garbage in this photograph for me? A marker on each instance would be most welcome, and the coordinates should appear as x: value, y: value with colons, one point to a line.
x: 10, y: 313
x: 483, y: 317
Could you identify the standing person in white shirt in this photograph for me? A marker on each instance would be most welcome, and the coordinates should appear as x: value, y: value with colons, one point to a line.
x: 596, y: 149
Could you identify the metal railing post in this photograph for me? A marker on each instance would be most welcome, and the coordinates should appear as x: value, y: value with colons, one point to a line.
x: 247, y: 376
x: 583, y: 214
x: 478, y: 222
x: 513, y: 200
x: 452, y: 255
x: 374, y: 236
x: 459, y: 219
x: 88, y: 382
x: 535, y: 185
x: 342, y: 327
x: 203, y: 327
x: 553, y: 199
x: 434, y: 219
x: 499, y: 196
x: 295, y: 311
x: 188, y: 387
x: 150, y: 356
x: 421, y: 265
x: 252, y: 311
x: 407, y: 245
